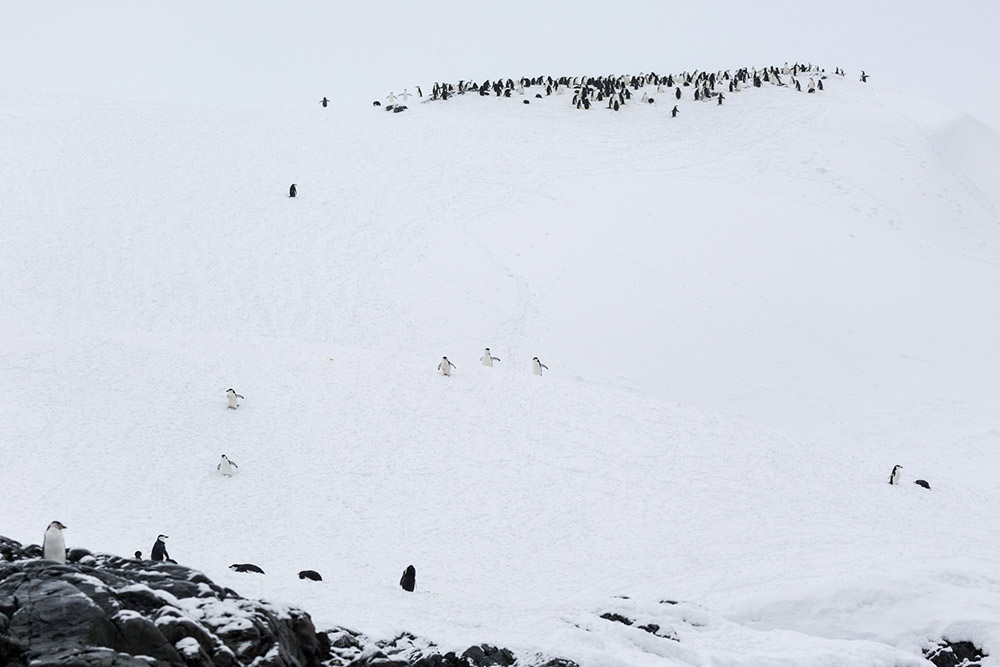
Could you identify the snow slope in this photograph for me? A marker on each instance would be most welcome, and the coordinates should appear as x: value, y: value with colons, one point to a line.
x: 750, y: 314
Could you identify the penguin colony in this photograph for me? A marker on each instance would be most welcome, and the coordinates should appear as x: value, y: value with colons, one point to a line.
x: 614, y: 92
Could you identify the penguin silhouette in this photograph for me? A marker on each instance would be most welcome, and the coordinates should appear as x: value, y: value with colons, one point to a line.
x: 160, y: 550
x: 292, y: 191
x: 324, y: 102
x: 674, y: 112
x: 409, y: 580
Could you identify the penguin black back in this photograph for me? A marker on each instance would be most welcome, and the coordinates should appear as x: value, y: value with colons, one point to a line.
x: 245, y: 567
x: 292, y: 191
x: 311, y: 575
x: 409, y: 579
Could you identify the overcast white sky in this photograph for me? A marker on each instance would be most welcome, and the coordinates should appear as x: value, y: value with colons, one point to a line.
x: 277, y: 53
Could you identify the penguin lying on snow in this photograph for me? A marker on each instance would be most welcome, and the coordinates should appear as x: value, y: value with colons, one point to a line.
x: 245, y: 567
x: 923, y: 483
x: 311, y: 575
x: 53, y: 544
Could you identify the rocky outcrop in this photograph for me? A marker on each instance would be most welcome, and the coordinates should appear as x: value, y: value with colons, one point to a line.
x: 107, y: 611
x: 955, y: 654
x: 104, y: 610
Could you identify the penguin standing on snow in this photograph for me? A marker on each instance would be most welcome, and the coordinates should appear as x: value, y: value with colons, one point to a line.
x: 488, y: 358
x: 409, y: 580
x: 324, y: 102
x: 160, y: 550
x: 232, y: 396
x: 292, y: 190
x: 226, y: 466
x: 53, y: 544
x: 894, y: 475
x: 445, y: 366
x: 674, y: 112
x: 864, y: 77
x: 537, y: 366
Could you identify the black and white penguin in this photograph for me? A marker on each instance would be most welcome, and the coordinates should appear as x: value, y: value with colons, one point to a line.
x: 923, y: 483
x: 488, y: 358
x: 409, y: 578
x: 231, y: 393
x: 399, y: 108
x: 138, y: 555
x: 245, y: 567
x: 405, y: 95
x: 674, y: 112
x: 160, y: 549
x: 226, y: 466
x: 537, y: 366
x: 53, y: 544
x: 445, y: 366
x: 324, y: 102
x: 864, y: 77
x: 391, y: 98
x: 677, y: 93
x: 420, y: 93
x: 895, y: 474
x: 721, y: 97
x: 376, y: 103
x: 292, y: 190
x: 311, y: 575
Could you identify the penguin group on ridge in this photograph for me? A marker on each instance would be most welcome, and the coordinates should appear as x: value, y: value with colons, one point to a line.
x: 614, y: 92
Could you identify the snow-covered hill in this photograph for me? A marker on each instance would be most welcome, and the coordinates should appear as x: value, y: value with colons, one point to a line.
x: 750, y: 313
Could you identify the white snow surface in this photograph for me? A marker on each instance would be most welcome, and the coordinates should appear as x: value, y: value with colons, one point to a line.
x: 750, y: 314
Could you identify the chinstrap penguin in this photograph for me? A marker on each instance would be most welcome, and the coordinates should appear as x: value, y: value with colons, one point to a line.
x: 445, y: 366
x: 160, y: 550
x: 226, y: 466
x: 292, y: 190
x: 311, y: 575
x: 537, y: 366
x: 53, y: 544
x: 231, y: 395
x: 488, y: 358
x: 895, y: 475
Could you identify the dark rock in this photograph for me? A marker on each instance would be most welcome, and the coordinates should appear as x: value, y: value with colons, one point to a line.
x: 9, y: 549
x: 559, y: 662
x: 488, y: 656
x: 617, y: 618
x: 955, y: 654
